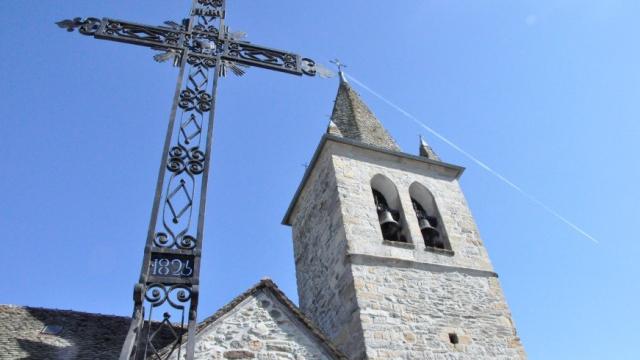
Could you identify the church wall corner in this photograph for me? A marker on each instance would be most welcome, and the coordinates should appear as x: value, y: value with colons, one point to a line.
x: 323, y: 274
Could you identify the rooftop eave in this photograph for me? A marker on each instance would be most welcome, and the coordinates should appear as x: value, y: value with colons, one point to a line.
x: 458, y: 170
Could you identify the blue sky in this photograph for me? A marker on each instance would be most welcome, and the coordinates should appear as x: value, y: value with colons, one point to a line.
x: 545, y: 92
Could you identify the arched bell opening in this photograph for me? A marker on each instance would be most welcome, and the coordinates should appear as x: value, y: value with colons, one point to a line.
x: 387, y: 203
x: 429, y: 219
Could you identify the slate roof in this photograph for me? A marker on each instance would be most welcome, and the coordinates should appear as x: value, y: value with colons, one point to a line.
x: 83, y: 335
x: 352, y: 119
x: 92, y: 336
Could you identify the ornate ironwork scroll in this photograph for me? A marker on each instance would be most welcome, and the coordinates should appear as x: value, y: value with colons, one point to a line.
x: 272, y: 59
x: 166, y: 296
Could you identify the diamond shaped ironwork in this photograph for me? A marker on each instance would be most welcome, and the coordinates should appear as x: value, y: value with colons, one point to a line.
x: 190, y: 128
x: 199, y: 79
x: 260, y: 56
x: 158, y: 341
x: 179, y: 201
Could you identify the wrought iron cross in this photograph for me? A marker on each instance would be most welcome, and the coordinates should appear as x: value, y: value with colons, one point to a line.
x: 203, y: 48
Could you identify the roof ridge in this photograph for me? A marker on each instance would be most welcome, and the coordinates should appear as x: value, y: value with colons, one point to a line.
x: 304, y: 319
x: 12, y: 306
x: 234, y: 302
x: 267, y: 283
x: 263, y: 284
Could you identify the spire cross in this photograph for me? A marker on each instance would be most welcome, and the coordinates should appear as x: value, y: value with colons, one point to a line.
x: 202, y: 47
x: 340, y: 66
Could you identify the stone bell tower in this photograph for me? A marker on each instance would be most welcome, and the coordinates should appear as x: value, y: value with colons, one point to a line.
x: 389, y: 261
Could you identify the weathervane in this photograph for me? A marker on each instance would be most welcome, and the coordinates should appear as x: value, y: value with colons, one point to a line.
x: 204, y: 49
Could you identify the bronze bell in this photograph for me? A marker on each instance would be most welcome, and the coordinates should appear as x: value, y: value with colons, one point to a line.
x: 430, y: 233
x: 388, y: 223
x: 425, y: 226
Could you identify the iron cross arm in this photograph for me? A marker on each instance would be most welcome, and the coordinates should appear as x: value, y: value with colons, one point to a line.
x: 179, y: 40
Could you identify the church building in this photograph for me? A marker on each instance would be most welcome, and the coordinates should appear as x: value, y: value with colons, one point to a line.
x: 389, y: 265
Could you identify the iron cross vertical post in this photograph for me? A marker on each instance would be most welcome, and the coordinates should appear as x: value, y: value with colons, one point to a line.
x: 166, y: 296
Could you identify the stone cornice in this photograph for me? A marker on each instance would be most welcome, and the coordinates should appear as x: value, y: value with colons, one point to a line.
x: 457, y: 170
x: 362, y: 259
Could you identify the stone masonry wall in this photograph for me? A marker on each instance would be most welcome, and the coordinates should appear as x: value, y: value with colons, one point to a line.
x: 259, y: 328
x: 354, y: 169
x: 410, y: 297
x: 409, y: 314
x: 325, y: 284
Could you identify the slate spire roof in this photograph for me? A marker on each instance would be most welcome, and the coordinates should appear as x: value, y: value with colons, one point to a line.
x: 352, y: 119
x: 427, y: 151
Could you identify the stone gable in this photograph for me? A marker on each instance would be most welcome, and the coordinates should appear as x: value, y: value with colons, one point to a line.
x: 262, y: 327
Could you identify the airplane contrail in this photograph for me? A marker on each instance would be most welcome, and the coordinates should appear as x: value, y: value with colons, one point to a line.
x: 477, y: 161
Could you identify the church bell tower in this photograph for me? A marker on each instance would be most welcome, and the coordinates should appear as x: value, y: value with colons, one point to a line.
x: 388, y: 258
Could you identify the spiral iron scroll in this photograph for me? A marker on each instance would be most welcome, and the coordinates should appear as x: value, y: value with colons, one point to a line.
x: 88, y: 26
x: 186, y: 160
x: 175, y: 295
